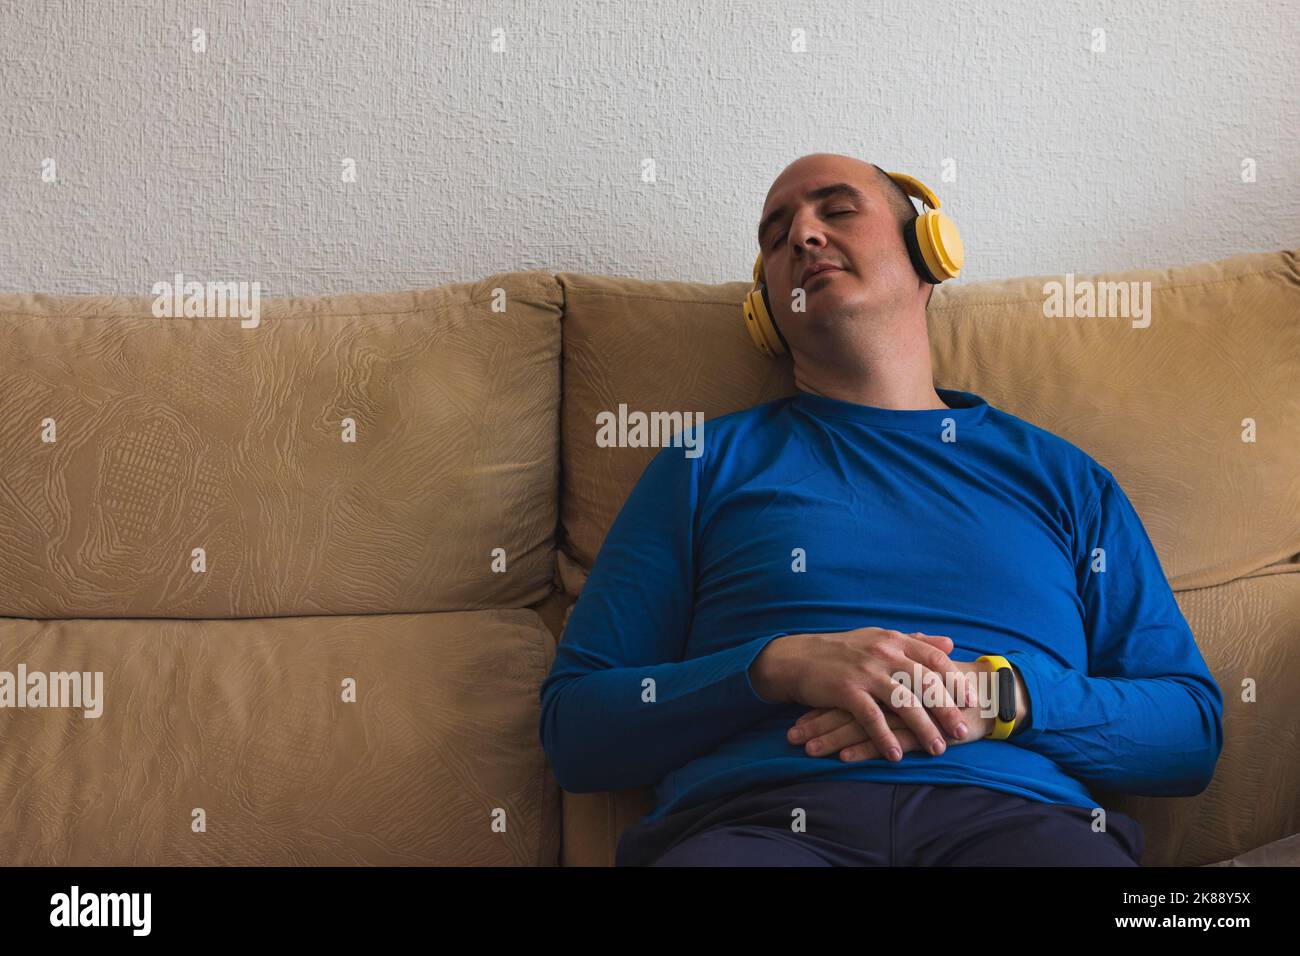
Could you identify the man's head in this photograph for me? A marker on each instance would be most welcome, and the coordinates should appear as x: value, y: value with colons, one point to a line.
x: 830, y: 208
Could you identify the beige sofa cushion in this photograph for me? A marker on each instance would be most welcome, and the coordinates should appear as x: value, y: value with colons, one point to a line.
x: 180, y: 433
x: 1283, y: 852
x: 245, y: 719
x: 1246, y: 630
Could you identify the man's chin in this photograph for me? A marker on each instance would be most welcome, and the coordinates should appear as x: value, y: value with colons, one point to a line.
x: 830, y: 311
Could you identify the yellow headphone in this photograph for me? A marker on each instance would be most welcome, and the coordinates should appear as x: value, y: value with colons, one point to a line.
x: 933, y: 245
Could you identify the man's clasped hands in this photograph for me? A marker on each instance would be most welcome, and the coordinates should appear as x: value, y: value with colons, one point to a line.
x: 845, y: 677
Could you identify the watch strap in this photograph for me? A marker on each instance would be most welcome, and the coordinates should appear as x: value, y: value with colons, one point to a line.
x: 1004, y: 718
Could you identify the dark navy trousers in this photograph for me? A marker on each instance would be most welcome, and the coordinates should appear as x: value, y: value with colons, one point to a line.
x: 863, y: 823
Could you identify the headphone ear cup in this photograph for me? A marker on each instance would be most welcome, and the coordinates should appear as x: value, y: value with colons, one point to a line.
x: 939, y: 245
x: 771, y: 318
x: 757, y: 313
x: 911, y: 232
x: 759, y: 322
x: 763, y: 331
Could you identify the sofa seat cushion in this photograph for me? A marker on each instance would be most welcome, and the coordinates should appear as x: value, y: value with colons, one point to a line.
x: 435, y: 763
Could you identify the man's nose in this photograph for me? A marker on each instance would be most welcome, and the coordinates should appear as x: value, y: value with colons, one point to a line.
x: 807, y: 244
x: 808, y: 235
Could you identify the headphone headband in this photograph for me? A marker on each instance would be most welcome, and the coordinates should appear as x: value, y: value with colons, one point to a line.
x: 915, y: 188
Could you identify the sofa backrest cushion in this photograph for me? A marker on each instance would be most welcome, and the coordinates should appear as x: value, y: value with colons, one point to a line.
x: 177, y: 434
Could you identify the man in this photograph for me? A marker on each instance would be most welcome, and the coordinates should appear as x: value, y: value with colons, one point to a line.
x: 779, y: 634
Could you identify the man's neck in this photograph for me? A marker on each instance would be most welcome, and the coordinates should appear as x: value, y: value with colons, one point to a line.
x: 897, y: 376
x: 881, y: 395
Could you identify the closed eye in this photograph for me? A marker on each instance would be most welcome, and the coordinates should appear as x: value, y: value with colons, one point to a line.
x: 838, y: 212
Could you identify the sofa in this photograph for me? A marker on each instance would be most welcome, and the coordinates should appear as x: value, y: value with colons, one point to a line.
x: 322, y: 564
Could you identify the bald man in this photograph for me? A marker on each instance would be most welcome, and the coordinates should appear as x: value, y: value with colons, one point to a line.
x: 793, y: 637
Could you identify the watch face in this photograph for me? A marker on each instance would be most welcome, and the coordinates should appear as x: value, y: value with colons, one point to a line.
x: 1006, y: 695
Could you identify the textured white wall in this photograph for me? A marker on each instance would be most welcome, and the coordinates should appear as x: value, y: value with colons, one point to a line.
x: 227, y: 164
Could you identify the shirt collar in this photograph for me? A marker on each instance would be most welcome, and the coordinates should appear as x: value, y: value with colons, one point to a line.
x: 964, y: 408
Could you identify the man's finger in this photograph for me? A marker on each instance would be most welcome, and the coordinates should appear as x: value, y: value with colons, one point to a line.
x: 813, y: 714
x: 908, y: 704
x: 830, y: 719
x: 939, y: 670
x: 846, y: 735
x: 868, y: 751
x: 944, y: 644
x: 867, y: 712
x: 829, y: 737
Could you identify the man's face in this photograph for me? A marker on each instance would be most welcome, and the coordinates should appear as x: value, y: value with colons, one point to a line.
x: 807, y: 220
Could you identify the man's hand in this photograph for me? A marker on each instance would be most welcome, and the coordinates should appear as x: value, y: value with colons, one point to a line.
x: 854, y: 671
x: 827, y: 730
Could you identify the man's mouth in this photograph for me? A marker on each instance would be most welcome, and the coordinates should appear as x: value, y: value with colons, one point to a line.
x: 821, y: 271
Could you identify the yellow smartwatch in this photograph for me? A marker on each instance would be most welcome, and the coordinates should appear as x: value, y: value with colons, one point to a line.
x: 1004, y: 720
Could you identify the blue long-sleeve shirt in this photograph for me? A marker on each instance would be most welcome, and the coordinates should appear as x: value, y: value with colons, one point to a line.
x: 812, y: 514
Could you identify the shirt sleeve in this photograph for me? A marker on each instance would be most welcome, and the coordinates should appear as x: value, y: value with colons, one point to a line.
x: 622, y: 706
x: 1147, y: 718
